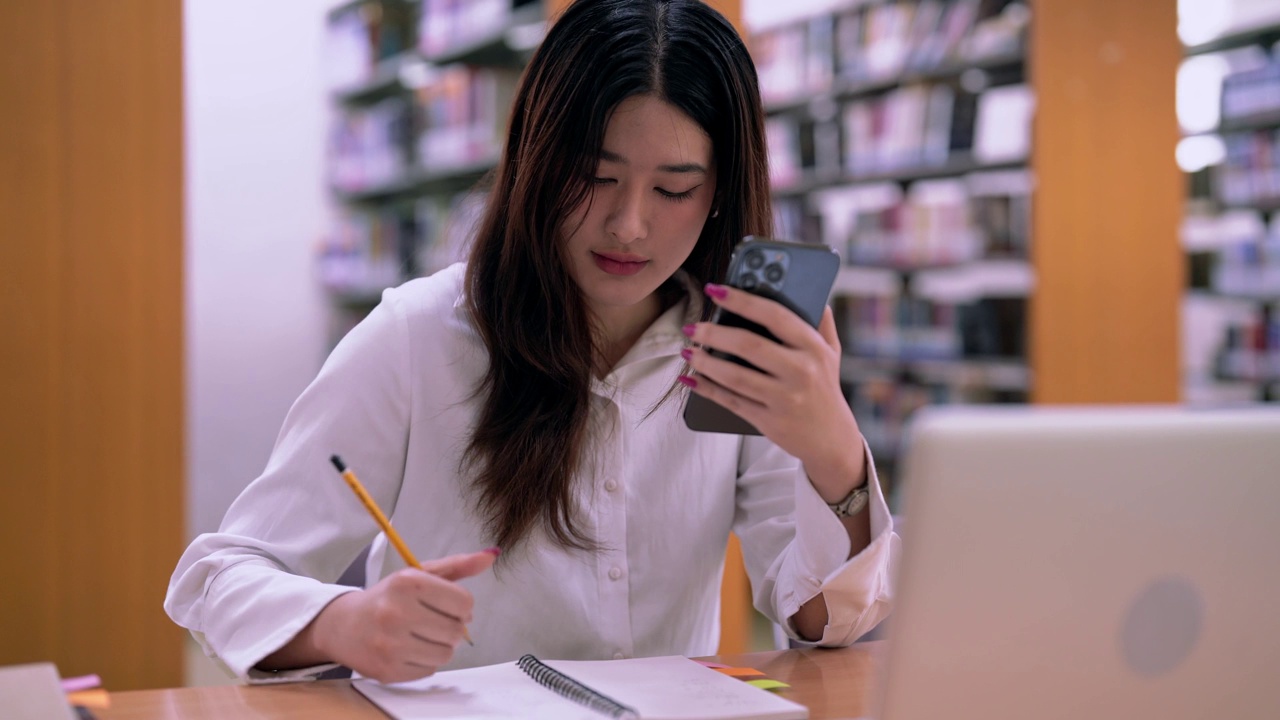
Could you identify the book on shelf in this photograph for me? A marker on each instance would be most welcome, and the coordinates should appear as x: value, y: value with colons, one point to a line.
x: 371, y: 249
x: 1252, y: 92
x: 464, y: 114
x: 872, y: 42
x: 446, y: 25
x: 932, y: 223
x: 360, y: 37
x: 1250, y: 350
x: 446, y: 226
x: 367, y: 145
x: 367, y: 251
x: 1249, y: 268
x: 1002, y: 124
x: 1250, y: 173
x: 908, y: 328
x: 907, y: 129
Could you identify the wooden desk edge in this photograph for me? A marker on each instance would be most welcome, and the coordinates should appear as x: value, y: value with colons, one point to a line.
x: 832, y: 683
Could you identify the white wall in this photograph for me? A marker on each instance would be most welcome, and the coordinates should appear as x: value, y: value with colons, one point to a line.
x: 256, y: 206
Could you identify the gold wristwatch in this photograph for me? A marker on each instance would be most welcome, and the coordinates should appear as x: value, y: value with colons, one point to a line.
x: 852, y: 504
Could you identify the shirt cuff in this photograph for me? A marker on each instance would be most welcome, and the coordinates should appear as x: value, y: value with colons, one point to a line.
x: 268, y: 619
x: 857, y: 590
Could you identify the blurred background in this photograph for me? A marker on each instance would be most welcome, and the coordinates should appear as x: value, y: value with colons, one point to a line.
x: 1039, y: 201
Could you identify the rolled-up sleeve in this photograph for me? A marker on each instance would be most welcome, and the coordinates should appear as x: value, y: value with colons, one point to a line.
x: 249, y: 588
x: 794, y: 547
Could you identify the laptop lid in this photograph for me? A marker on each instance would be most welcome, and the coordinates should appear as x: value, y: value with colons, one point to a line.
x: 1088, y: 563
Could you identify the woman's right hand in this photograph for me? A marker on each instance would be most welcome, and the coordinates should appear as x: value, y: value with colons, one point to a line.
x: 407, y: 625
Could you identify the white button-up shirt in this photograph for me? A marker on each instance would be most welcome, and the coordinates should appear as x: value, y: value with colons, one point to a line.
x: 394, y: 400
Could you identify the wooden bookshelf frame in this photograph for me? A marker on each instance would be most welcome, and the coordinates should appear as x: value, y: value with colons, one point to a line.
x: 91, y: 278
x: 1105, y: 317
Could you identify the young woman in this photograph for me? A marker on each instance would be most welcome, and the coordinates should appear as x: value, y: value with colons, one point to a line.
x: 530, y: 400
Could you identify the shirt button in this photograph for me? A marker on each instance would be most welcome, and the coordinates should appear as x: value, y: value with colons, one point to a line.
x: 615, y: 573
x: 618, y: 656
x: 610, y: 485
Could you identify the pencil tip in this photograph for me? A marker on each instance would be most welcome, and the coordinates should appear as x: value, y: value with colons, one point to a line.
x: 337, y: 462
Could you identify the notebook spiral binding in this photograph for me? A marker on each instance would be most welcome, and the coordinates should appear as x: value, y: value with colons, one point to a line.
x: 557, y: 681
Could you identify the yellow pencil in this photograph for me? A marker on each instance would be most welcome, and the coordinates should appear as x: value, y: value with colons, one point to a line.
x: 383, y: 522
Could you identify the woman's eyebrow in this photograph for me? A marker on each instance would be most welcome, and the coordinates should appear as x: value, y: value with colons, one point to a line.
x: 680, y: 168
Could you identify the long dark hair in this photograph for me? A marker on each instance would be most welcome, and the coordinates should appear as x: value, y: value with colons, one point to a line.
x: 533, y: 419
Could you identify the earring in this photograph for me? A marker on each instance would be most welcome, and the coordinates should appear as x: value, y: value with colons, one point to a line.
x: 716, y: 213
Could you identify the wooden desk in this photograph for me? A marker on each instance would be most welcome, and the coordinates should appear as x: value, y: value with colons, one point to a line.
x: 831, y: 683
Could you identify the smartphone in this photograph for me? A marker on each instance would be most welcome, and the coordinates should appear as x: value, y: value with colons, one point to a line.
x: 796, y: 275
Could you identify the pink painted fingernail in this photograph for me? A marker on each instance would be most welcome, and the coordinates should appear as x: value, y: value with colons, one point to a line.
x: 686, y: 353
x: 688, y: 381
x: 494, y: 551
x: 716, y: 291
x: 689, y: 329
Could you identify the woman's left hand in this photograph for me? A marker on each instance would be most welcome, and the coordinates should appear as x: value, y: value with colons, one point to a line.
x: 795, y: 398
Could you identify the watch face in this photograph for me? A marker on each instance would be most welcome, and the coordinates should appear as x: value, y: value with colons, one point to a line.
x: 851, y: 505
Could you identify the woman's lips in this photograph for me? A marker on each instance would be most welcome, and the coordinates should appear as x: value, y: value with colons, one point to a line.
x: 618, y: 263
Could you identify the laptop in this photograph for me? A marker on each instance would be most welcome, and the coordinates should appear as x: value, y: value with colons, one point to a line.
x: 1088, y: 563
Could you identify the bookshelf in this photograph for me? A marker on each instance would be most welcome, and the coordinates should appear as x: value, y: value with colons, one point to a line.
x: 1057, y: 277
x: 1232, y: 232
x: 420, y: 91
x: 900, y: 135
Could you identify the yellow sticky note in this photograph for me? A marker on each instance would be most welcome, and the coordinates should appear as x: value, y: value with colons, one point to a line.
x: 768, y: 684
x: 739, y: 672
x: 96, y: 699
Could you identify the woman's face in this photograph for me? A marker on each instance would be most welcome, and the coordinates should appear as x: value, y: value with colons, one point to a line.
x: 654, y: 187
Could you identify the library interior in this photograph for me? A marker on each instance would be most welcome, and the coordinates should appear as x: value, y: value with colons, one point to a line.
x: 1056, y: 231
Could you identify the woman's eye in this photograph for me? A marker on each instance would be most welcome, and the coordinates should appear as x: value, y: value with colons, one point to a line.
x: 603, y: 181
x: 676, y: 195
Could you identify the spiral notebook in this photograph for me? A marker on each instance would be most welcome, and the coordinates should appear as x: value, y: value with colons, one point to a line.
x: 660, y: 688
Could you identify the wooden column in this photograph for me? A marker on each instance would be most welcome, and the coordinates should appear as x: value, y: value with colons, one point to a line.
x: 1104, y: 319
x: 91, y: 359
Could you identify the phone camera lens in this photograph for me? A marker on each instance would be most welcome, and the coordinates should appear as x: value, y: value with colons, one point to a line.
x: 749, y: 282
x: 755, y: 259
x: 773, y: 273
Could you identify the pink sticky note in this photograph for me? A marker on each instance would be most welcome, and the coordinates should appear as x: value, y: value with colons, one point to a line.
x: 739, y: 672
x: 83, y: 682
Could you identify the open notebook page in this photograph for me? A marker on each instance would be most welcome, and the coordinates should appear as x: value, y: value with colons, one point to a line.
x: 663, y: 688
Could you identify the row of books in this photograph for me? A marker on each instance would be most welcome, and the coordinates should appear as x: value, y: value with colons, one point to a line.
x: 367, y: 145
x: 375, y: 248
x: 931, y: 223
x: 911, y: 328
x: 464, y: 115
x: 445, y: 25
x: 1250, y: 173
x: 884, y: 405
x: 365, y: 252
x: 1251, y: 93
x: 909, y: 128
x: 1251, y: 350
x: 456, y: 120
x: 883, y: 40
x: 1249, y: 269
x: 362, y: 38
